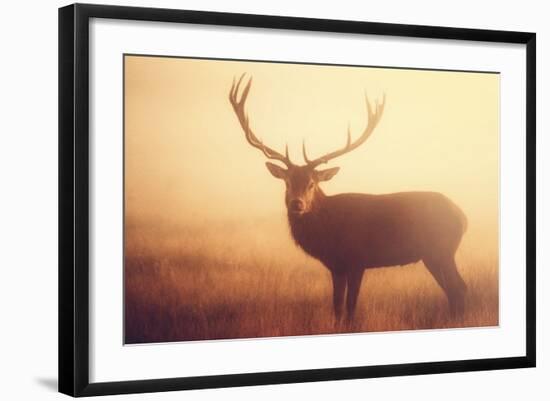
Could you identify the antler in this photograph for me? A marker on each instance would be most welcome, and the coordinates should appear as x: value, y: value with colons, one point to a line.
x: 238, y: 107
x: 373, y: 119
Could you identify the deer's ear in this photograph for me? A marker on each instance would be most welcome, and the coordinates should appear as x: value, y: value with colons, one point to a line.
x: 276, y: 171
x: 325, y: 175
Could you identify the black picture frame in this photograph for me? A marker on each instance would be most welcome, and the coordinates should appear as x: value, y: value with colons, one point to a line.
x: 74, y: 198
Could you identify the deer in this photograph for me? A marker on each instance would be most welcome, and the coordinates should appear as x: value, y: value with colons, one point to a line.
x: 352, y: 232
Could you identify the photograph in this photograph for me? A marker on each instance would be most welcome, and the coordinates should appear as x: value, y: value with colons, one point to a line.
x: 276, y: 199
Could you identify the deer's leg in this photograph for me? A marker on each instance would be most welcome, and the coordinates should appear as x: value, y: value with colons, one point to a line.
x: 354, y: 279
x: 446, y: 274
x: 338, y: 289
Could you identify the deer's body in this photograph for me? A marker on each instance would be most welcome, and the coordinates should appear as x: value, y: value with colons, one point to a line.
x: 358, y: 231
x: 351, y: 232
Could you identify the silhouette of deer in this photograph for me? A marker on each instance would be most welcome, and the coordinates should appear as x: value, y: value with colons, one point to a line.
x: 351, y: 232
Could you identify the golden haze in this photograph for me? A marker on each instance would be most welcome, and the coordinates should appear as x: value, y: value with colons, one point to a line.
x: 208, y: 254
x: 186, y: 156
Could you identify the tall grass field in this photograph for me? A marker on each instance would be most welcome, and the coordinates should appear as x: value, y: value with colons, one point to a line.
x: 238, y: 279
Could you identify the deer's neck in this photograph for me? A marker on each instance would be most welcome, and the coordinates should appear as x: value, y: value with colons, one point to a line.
x: 306, y: 228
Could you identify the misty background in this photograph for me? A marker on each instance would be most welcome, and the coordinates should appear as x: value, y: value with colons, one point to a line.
x: 187, y: 160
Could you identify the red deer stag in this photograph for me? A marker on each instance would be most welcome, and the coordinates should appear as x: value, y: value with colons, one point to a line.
x: 352, y: 232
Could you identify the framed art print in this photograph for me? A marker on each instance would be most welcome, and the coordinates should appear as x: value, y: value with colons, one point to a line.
x: 251, y: 199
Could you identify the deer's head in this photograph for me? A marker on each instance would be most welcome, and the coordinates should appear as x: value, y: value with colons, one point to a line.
x: 302, y: 182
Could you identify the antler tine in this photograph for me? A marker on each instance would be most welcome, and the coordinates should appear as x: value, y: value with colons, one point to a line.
x: 373, y: 119
x: 245, y: 92
x: 304, y: 153
x: 239, y: 109
x: 234, y: 90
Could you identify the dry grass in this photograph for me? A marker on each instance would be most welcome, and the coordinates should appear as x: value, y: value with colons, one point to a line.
x: 243, y: 281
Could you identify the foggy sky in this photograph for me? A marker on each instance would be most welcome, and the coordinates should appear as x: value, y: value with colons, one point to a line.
x: 187, y: 159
